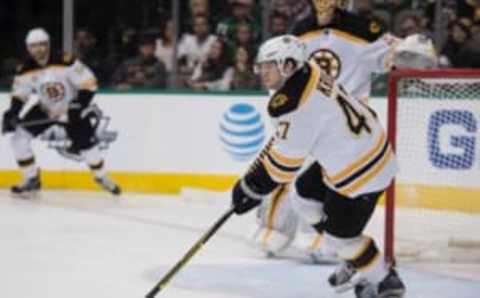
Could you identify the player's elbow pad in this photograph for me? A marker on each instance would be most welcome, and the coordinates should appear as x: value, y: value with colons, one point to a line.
x: 259, y: 181
x: 85, y: 97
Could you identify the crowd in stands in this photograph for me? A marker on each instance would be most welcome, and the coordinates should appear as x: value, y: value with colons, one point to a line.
x: 216, y: 52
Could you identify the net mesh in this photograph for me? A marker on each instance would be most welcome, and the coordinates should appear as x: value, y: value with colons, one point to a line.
x: 437, y: 197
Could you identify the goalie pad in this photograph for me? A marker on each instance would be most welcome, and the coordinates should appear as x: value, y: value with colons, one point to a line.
x: 415, y: 51
x: 276, y: 223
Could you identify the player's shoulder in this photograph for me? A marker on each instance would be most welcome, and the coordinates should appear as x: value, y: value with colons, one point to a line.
x: 62, y: 59
x: 305, y: 25
x: 295, y: 91
x: 361, y: 27
x: 27, y: 66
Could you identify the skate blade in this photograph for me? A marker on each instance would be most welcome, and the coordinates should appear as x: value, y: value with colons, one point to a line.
x: 347, y: 286
x: 323, y: 260
x: 400, y: 293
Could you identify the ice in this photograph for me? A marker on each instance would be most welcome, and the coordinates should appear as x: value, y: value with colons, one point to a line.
x: 69, y: 244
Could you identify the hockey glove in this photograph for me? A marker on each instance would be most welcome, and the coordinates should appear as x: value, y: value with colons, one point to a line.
x: 244, y: 198
x: 79, y: 104
x: 11, y: 116
x: 9, y: 121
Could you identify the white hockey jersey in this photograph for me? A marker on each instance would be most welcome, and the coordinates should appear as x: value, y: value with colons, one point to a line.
x: 350, y: 49
x: 55, y: 84
x: 315, y: 118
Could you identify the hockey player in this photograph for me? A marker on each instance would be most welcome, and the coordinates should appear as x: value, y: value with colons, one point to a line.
x: 48, y: 89
x: 349, y: 48
x: 315, y: 118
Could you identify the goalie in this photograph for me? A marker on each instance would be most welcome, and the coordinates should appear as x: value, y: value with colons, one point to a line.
x: 350, y: 49
x: 50, y: 89
x: 315, y: 118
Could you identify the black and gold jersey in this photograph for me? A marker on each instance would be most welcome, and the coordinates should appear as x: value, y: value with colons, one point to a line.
x: 349, y: 49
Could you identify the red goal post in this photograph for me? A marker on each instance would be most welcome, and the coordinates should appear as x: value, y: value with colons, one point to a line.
x: 426, y: 84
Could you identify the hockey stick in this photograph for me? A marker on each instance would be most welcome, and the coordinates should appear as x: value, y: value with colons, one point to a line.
x: 190, y: 253
x: 39, y: 122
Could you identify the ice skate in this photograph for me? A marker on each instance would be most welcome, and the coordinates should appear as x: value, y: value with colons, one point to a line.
x: 344, y: 278
x: 390, y: 287
x: 28, y: 188
x: 108, y: 185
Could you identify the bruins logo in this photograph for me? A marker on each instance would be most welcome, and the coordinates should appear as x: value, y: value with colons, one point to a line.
x: 278, y: 101
x: 374, y: 27
x: 54, y: 91
x: 328, y: 62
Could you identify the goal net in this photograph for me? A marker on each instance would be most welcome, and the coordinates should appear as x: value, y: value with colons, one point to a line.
x: 433, y: 208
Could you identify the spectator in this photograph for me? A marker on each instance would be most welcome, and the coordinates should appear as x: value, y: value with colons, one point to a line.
x: 215, y: 72
x: 8, y: 69
x: 164, y: 46
x: 475, y: 29
x: 393, y: 9
x: 459, y: 33
x: 470, y: 53
x: 85, y: 48
x: 294, y: 10
x: 199, y: 7
x: 194, y: 47
x: 468, y: 9
x: 409, y: 24
x: 244, y: 38
x: 195, y: 8
x: 366, y: 8
x: 243, y: 75
x: 145, y: 70
x: 278, y: 24
x: 242, y: 12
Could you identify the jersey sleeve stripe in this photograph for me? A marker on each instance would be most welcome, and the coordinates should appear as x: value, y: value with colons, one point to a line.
x: 363, y: 169
x: 90, y: 85
x: 281, y: 166
x: 373, y: 172
x: 284, y: 160
x: 360, y: 162
x: 276, y: 174
x: 312, y: 83
x: 348, y: 36
x: 338, y: 33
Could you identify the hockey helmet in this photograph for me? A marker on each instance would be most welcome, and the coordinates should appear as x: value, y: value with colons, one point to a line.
x: 281, y: 49
x: 37, y: 35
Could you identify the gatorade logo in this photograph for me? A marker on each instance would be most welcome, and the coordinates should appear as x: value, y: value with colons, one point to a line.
x: 452, y: 139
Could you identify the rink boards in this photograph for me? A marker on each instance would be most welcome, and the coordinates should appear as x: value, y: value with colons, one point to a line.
x: 167, y: 141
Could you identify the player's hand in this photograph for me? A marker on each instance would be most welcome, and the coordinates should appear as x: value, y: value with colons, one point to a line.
x: 241, y: 200
x: 75, y: 109
x: 9, y: 121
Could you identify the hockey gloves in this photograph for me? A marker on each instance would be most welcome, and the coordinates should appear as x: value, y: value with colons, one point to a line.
x: 9, y: 121
x: 11, y: 116
x: 244, y: 198
x: 77, y: 105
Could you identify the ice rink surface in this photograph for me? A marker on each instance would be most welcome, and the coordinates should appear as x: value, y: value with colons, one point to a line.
x: 90, y: 245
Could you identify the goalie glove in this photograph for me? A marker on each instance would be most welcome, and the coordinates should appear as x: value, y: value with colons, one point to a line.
x: 415, y: 51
